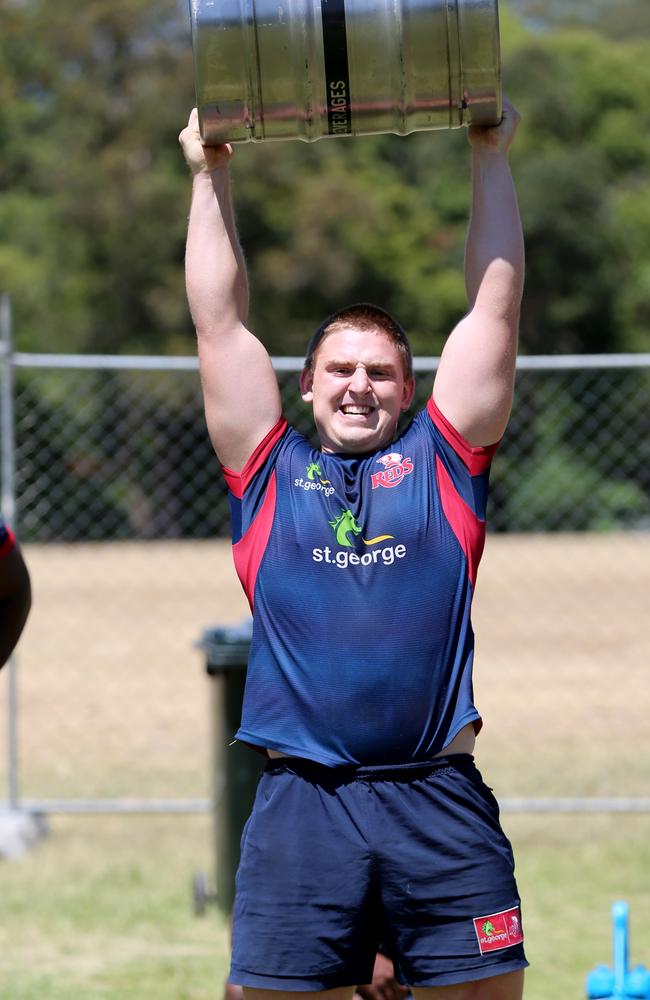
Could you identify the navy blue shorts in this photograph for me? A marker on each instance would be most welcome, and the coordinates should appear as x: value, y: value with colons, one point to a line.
x: 338, y: 861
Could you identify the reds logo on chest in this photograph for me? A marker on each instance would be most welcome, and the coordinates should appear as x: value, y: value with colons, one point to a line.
x: 395, y: 468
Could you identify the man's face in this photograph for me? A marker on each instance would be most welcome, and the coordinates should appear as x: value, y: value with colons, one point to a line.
x: 358, y: 390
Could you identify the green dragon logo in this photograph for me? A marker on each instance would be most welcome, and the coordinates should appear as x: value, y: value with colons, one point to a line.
x: 313, y: 470
x: 489, y: 929
x: 345, y: 524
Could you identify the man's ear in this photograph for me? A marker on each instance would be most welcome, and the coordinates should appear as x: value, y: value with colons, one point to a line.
x: 307, y: 385
x: 409, y: 392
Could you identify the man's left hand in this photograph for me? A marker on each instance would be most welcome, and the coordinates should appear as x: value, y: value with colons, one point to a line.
x: 497, y: 138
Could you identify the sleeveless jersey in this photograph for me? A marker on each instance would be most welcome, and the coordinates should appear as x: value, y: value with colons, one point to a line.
x: 360, y: 573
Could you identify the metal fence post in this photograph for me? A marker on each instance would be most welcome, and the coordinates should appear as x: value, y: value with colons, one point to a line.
x: 8, y: 473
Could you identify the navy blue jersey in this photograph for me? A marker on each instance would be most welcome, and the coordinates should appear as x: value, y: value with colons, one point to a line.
x: 360, y: 572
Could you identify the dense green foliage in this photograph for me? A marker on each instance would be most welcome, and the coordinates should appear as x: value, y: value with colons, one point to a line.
x: 612, y: 18
x: 93, y: 195
x: 94, y: 192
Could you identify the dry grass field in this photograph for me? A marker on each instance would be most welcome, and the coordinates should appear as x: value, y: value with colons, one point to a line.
x: 114, y: 698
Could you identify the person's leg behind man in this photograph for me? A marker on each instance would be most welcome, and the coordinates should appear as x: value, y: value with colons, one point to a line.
x: 509, y: 986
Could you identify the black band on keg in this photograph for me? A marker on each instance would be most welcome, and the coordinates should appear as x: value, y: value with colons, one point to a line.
x: 337, y: 70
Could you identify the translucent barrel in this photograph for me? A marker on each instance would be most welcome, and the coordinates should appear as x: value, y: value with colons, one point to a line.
x: 304, y: 69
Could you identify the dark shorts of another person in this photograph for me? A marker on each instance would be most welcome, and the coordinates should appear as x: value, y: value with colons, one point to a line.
x: 336, y: 861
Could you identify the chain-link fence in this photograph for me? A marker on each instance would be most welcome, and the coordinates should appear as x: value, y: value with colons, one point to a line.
x: 124, y: 520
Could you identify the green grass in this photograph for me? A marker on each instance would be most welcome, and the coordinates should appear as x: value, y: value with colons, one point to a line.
x: 570, y: 870
x: 103, y: 907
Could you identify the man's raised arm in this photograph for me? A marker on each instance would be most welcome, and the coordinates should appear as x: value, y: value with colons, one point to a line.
x: 475, y: 380
x: 240, y: 391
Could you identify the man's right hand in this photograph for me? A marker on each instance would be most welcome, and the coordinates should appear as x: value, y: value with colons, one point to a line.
x: 200, y: 158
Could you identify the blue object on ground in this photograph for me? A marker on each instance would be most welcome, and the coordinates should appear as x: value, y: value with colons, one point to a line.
x: 619, y: 983
x: 638, y: 983
x: 600, y: 983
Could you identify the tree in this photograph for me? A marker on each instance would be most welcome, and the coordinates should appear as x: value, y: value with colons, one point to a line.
x: 618, y: 19
x: 584, y: 154
x: 91, y: 186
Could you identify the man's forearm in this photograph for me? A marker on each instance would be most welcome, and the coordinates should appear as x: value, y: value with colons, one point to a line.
x: 494, y: 256
x: 215, y: 271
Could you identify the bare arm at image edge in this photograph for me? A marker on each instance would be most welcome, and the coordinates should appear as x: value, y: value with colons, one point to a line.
x: 240, y: 390
x: 475, y: 380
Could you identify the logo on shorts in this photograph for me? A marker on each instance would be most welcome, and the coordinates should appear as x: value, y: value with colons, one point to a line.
x: 395, y: 468
x: 498, y: 930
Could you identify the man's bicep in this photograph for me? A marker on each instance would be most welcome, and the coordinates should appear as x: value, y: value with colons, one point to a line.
x: 474, y: 383
x: 240, y: 393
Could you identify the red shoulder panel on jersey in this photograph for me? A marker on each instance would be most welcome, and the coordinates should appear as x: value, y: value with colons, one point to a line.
x: 477, y: 460
x: 238, y: 481
x: 467, y: 527
x: 249, y: 550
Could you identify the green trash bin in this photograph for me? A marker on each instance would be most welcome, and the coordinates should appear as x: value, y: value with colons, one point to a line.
x: 236, y: 768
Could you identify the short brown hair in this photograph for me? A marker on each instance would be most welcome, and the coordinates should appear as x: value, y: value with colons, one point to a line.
x: 366, y: 318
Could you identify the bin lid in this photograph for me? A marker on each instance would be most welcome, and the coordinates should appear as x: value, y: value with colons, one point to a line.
x: 227, y: 645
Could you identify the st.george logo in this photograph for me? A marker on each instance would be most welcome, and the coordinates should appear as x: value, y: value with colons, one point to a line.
x: 314, y: 481
x: 498, y: 930
x: 345, y: 525
x: 313, y: 470
x: 395, y: 468
x: 345, y: 530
